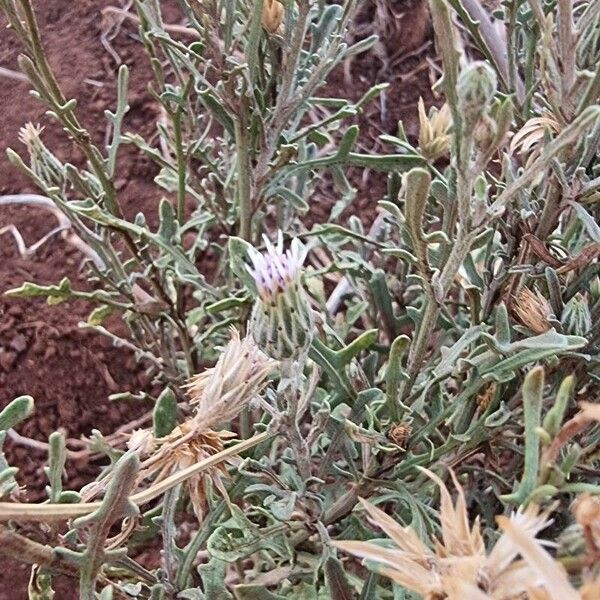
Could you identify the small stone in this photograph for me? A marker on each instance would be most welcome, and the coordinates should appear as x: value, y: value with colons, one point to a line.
x: 19, y: 343
x: 7, y: 359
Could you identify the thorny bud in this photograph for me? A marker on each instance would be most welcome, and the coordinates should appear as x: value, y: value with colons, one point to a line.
x: 43, y: 163
x: 476, y: 88
x: 282, y: 321
x: 434, y: 131
x: 533, y: 310
x: 570, y: 542
x: 272, y: 15
x: 141, y: 441
x: 576, y: 318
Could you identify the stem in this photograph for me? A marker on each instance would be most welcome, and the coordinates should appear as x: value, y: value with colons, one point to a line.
x: 568, y: 47
x: 419, y: 347
x: 244, y: 189
x: 291, y: 386
x: 180, y: 167
x: 14, y: 545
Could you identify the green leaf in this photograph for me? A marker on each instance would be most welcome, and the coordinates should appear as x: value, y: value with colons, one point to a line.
x: 588, y: 221
x: 164, y: 415
x: 255, y: 592
x: 337, y: 582
x: 251, y: 50
x: 56, y: 463
x: 296, y: 201
x: 99, y: 314
x: 239, y: 254
x: 347, y: 142
x: 55, y: 293
x: 16, y: 411
x: 168, y: 224
x: 533, y: 389
x: 555, y: 416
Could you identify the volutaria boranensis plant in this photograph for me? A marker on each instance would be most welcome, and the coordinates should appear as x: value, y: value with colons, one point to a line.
x: 404, y: 409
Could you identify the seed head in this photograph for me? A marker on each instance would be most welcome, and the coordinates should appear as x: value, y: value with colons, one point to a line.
x: 141, y: 441
x: 459, y: 563
x: 399, y: 434
x: 43, y: 163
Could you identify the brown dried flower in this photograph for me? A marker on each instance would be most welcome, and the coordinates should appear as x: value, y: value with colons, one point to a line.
x: 218, y: 395
x: 272, y: 15
x: 586, y: 510
x: 399, y: 433
x: 533, y: 310
x: 483, y: 400
x: 459, y: 568
x: 186, y: 445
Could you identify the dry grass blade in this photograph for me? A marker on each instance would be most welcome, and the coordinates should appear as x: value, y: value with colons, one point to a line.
x: 22, y: 511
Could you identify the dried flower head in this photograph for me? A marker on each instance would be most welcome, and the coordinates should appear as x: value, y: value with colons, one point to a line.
x: 551, y: 581
x: 484, y: 398
x: 187, y: 444
x: 399, y: 434
x: 219, y: 394
x: 272, y: 15
x: 459, y: 566
x: 533, y: 310
x: 434, y: 130
x: 29, y: 135
x: 241, y: 372
x: 586, y: 510
x: 282, y: 321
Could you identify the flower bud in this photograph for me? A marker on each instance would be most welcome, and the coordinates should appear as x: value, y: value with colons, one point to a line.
x: 282, y: 321
x: 576, y: 318
x: 476, y: 88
